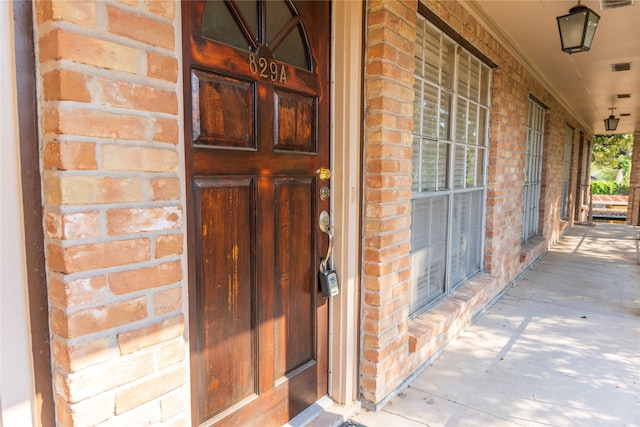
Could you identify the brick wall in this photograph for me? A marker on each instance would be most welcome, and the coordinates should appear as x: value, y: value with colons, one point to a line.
x: 387, y: 193
x: 395, y: 346
x: 113, y: 216
x: 633, y: 208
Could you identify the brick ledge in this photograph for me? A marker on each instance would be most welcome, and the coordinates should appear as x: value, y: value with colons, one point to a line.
x: 531, y: 251
x: 431, y: 330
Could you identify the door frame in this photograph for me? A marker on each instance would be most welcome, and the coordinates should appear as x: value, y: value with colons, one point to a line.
x: 347, y: 28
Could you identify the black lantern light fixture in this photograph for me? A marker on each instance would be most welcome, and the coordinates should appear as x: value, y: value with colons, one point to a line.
x: 577, y: 28
x: 611, y: 123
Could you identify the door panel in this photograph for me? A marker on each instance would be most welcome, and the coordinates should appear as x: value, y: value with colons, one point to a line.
x: 227, y: 289
x: 295, y: 122
x: 257, y: 123
x: 296, y: 290
x: 223, y: 110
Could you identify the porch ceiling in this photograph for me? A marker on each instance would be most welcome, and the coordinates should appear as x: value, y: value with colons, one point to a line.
x: 584, y: 80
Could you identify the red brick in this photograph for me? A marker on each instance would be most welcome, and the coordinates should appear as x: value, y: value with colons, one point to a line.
x: 162, y: 67
x: 165, y: 8
x: 167, y: 245
x: 80, y: 190
x: 139, y: 159
x: 96, y: 124
x: 77, y: 12
x: 165, y: 189
x: 70, y: 156
x: 141, y: 338
x: 167, y: 301
x: 97, y: 255
x: 91, y: 320
x: 140, y: 28
x: 77, y: 386
x: 172, y: 352
x: 144, y: 278
x: 124, y: 221
x: 60, y: 44
x: 166, y: 130
x: 79, y: 225
x: 65, y: 85
x: 89, y: 412
x: 173, y: 404
x: 75, y: 292
x: 149, y: 389
x: 138, y: 97
x: 76, y: 356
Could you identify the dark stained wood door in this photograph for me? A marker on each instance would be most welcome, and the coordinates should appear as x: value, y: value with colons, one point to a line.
x: 256, y: 75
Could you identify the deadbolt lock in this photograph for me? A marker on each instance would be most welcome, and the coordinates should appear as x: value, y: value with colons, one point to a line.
x: 325, y: 193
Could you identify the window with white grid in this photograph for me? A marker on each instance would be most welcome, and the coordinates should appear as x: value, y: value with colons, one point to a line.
x: 566, y: 171
x: 451, y: 114
x: 533, y: 170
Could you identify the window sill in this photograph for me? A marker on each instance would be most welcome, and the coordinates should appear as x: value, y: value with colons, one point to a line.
x: 431, y: 330
x: 533, y: 249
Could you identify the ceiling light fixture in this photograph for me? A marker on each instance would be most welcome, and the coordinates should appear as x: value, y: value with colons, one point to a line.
x: 611, y: 123
x: 577, y: 28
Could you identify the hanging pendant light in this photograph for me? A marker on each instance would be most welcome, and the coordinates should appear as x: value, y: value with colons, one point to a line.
x: 577, y: 29
x: 611, y: 123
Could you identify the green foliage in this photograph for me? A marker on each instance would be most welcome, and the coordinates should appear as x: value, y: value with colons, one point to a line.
x: 611, y: 157
x: 609, y: 187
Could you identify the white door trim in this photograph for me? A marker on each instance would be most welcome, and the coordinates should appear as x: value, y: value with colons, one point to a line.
x: 346, y: 112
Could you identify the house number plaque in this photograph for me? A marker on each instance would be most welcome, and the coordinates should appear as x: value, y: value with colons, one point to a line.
x: 267, y: 69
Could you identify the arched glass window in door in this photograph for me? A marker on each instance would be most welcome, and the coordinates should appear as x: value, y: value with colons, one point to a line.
x: 271, y: 29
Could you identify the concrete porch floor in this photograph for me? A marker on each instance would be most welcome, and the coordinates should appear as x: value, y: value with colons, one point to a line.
x: 560, y: 348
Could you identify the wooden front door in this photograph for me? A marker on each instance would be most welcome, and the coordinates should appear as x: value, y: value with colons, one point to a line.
x: 256, y: 79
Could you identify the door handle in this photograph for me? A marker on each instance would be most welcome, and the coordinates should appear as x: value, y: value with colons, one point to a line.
x: 325, y: 227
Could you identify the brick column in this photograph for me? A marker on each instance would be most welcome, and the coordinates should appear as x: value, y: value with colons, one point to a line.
x: 113, y: 217
x: 633, y: 208
x: 387, y: 191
